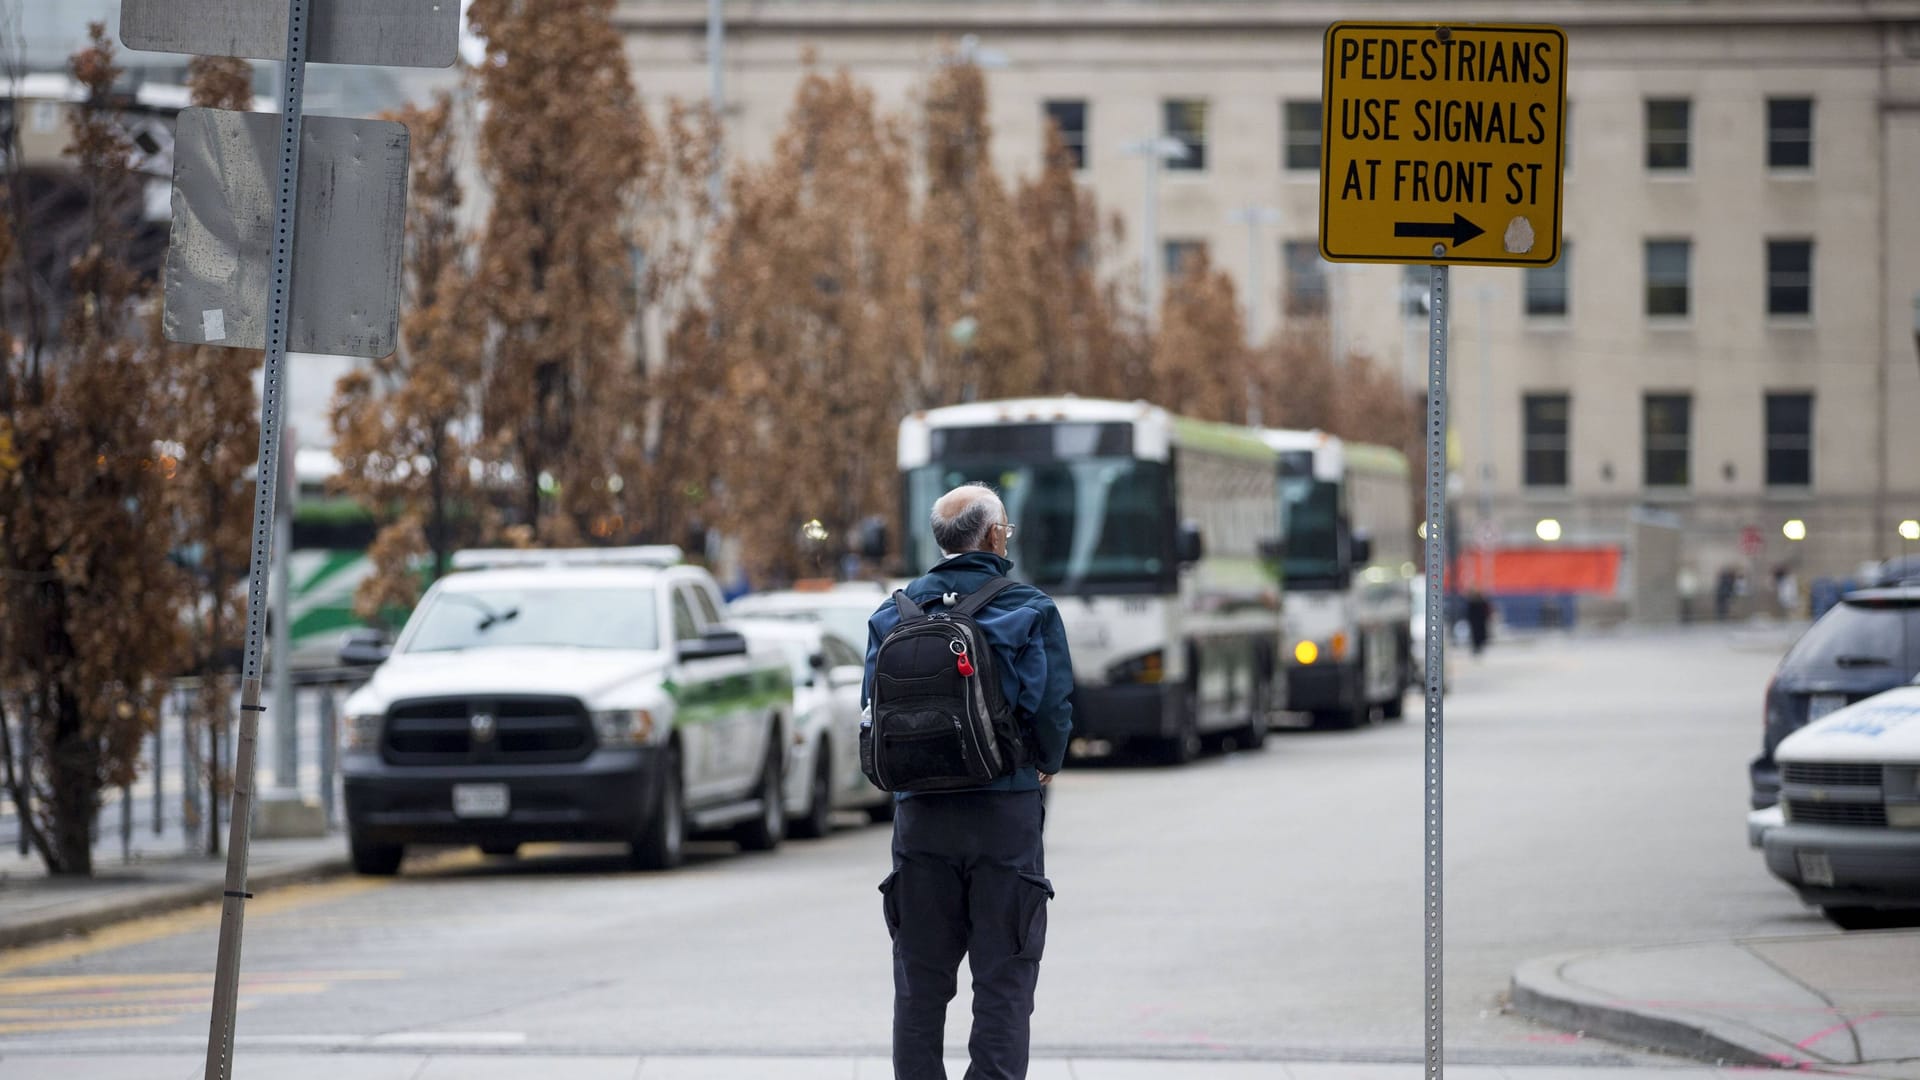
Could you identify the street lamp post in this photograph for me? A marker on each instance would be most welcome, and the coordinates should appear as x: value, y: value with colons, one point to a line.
x: 1255, y: 218
x: 1156, y: 150
x: 1484, y: 294
x: 717, y: 99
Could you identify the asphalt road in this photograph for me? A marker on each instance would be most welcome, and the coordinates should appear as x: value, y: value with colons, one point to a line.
x: 1264, y: 905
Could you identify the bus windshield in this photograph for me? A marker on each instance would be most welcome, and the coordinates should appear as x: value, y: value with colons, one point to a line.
x: 1311, y: 510
x: 1095, y: 521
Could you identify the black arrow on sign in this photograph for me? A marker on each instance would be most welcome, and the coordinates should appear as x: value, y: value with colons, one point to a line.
x: 1459, y: 232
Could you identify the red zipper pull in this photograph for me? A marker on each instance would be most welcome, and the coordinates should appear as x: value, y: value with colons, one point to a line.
x: 966, y: 665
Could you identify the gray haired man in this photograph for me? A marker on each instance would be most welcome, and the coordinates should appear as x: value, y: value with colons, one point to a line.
x: 969, y: 874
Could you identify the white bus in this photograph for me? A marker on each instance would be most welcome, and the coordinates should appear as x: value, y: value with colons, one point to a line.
x: 1347, y: 516
x: 1154, y: 534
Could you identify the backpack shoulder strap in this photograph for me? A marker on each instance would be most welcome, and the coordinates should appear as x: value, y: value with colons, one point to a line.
x: 907, y: 608
x: 977, y: 600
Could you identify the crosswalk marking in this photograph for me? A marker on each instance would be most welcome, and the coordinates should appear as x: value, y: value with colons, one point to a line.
x: 35, y: 1005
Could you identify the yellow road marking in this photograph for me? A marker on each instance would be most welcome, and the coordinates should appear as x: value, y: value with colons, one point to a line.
x: 55, y: 984
x: 60, y: 1003
x: 80, y: 1025
x: 153, y: 928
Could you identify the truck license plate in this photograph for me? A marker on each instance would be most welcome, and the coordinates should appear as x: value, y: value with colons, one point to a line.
x: 480, y: 800
x: 1820, y: 705
x: 1815, y: 868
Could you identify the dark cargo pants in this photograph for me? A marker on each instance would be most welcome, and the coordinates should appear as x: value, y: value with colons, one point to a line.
x: 968, y: 879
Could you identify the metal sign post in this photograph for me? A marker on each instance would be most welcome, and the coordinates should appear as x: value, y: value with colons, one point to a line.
x: 226, y: 977
x: 216, y: 292
x: 1441, y: 144
x: 1436, y: 657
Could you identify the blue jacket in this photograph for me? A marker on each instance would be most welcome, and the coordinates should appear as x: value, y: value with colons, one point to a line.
x: 1029, y: 644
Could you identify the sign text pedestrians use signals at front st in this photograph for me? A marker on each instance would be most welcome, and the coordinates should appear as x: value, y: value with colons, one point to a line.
x: 1442, y: 137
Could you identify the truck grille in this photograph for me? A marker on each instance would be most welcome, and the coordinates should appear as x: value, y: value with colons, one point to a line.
x: 1808, y: 812
x: 1822, y: 774
x: 498, y: 730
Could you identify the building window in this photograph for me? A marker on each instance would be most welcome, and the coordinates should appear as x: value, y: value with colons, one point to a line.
x: 1566, y: 138
x: 1789, y: 440
x: 1416, y: 291
x: 1545, y: 419
x: 1667, y: 422
x: 1178, y: 256
x: 1070, y: 118
x: 1668, y: 272
x: 1306, y: 277
x: 1789, y: 133
x: 1185, y: 119
x: 1302, y: 136
x: 1547, y: 289
x: 1669, y: 134
x: 1790, y: 277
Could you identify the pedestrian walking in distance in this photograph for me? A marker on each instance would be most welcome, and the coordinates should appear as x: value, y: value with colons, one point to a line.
x: 967, y: 720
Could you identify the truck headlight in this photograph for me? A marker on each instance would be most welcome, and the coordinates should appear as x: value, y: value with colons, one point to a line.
x: 1145, y: 668
x: 1305, y: 652
x: 361, y: 731
x: 623, y: 727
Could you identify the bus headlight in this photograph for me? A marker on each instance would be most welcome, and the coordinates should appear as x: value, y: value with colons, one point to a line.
x: 1306, y: 652
x: 1147, y: 668
x: 361, y: 731
x: 1337, y: 645
x: 1903, y: 815
x: 623, y: 727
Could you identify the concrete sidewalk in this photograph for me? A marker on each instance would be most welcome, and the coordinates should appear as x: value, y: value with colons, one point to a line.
x: 1845, y: 1002
x: 35, y: 907
x: 356, y: 1066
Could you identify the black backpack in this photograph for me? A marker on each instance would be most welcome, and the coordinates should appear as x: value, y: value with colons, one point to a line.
x: 940, y: 720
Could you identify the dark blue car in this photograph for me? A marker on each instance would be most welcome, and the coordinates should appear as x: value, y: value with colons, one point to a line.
x: 1868, y: 642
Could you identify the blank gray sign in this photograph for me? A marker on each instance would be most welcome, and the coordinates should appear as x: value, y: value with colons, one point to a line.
x: 397, y: 33
x: 348, y: 229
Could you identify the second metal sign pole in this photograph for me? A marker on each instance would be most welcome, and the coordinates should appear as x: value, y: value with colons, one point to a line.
x: 1436, y: 657
x: 226, y: 979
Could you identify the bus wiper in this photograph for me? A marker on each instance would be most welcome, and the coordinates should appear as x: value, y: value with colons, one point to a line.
x: 1853, y: 660
x: 492, y: 618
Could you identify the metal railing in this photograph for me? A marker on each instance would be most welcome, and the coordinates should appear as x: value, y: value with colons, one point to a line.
x: 165, y: 810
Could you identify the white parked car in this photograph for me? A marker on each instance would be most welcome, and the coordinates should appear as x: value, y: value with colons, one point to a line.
x: 842, y: 608
x: 823, y: 759
x: 590, y: 694
x: 1846, y: 832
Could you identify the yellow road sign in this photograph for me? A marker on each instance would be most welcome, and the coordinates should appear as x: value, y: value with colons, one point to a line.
x: 1442, y: 143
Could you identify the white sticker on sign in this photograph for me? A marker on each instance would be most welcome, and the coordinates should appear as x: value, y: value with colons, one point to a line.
x: 213, y: 324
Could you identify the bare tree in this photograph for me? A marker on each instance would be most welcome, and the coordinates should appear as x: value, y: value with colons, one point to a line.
x: 815, y: 335
x: 1200, y: 364
x: 404, y: 426
x: 562, y: 144
x: 89, y: 615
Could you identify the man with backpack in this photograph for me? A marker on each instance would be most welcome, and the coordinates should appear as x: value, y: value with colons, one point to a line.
x: 967, y: 683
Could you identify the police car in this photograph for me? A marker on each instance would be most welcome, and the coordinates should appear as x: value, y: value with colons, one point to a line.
x: 823, y: 760
x: 562, y: 695
x: 1846, y: 833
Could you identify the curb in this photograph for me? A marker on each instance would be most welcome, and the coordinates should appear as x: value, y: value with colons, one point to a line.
x: 162, y: 900
x: 1538, y: 991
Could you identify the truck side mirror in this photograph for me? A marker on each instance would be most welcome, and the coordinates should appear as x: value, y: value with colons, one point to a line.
x: 872, y: 535
x: 716, y: 643
x: 1190, y: 547
x: 1361, y: 547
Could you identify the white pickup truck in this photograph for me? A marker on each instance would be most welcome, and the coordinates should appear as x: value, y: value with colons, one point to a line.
x: 567, y: 695
x: 1846, y: 831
